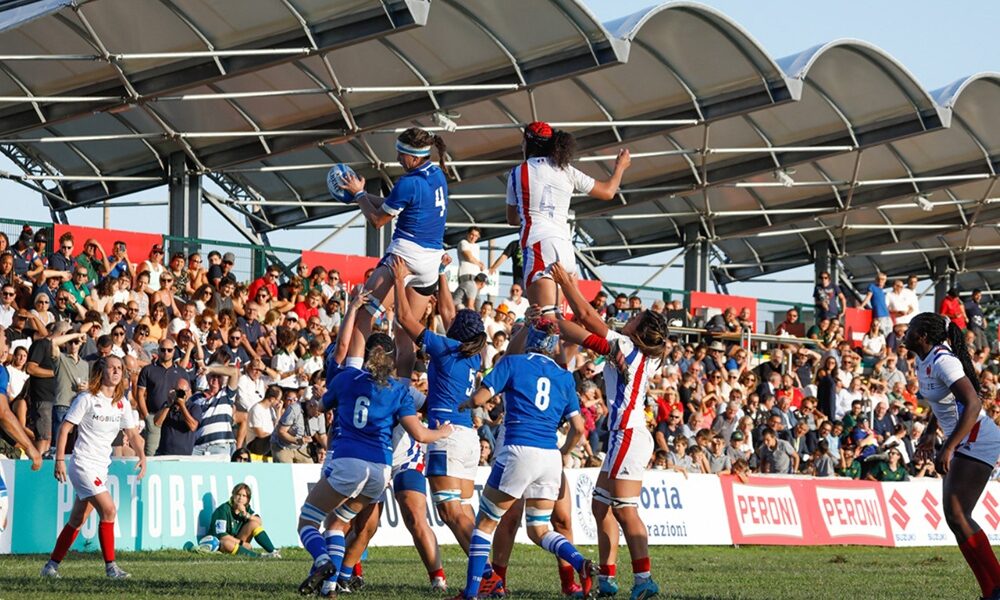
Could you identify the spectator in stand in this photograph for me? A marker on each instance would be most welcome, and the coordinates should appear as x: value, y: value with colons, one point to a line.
x: 468, y: 296
x: 776, y: 456
x: 154, y: 267
x: 803, y: 441
x: 873, y: 347
x: 93, y: 260
x: 62, y: 259
x: 726, y: 322
x: 300, y: 426
x: 882, y: 424
x: 469, y: 265
x: 42, y: 386
x: 261, y: 421
x: 619, y: 310
x: 774, y: 364
x: 911, y: 295
x: 745, y: 320
x: 901, y: 307
x: 829, y: 298
x: 891, y: 470
x: 156, y: 381
x: 977, y: 320
x: 178, y: 421
x: 215, y: 429
x: 268, y: 281
x: 790, y: 325
x: 725, y: 423
x: 512, y: 251
x: 72, y: 373
x: 8, y: 307
x: 223, y: 270
x: 516, y: 303
x: 953, y: 308
x: 119, y: 261
x: 186, y: 321
x: 875, y: 299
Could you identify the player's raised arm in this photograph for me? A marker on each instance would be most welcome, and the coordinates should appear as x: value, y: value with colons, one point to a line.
x: 575, y: 434
x: 418, y: 432
x: 606, y: 189
x: 583, y: 312
x: 360, y: 298
x: 445, y: 303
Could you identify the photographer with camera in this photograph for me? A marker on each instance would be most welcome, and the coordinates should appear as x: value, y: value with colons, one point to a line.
x: 300, y: 426
x: 177, y: 419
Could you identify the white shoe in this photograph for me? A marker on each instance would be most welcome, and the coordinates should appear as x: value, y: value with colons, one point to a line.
x: 439, y: 585
x: 328, y: 589
x: 51, y: 570
x: 273, y: 554
x: 113, y: 571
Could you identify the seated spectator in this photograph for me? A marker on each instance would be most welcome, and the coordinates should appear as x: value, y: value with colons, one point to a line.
x: 719, y: 461
x: 803, y: 441
x: 699, y: 460
x: 821, y: 463
x: 660, y: 460
x: 890, y: 470
x: 299, y: 426
x: 736, y: 449
x: 882, y: 423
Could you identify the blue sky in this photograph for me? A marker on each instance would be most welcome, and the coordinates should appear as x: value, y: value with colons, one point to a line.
x: 938, y: 42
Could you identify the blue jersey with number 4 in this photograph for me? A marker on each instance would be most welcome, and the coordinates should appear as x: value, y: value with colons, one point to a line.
x: 419, y: 201
x: 451, y: 380
x: 538, y: 394
x: 366, y: 415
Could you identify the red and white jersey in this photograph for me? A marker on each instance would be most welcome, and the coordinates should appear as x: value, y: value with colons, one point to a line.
x: 98, y: 420
x: 542, y: 192
x: 936, y: 373
x: 407, y: 453
x: 626, y: 392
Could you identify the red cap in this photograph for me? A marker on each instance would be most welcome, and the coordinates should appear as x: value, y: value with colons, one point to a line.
x: 538, y: 129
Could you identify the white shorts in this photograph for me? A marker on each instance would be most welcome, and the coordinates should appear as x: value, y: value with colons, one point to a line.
x: 424, y: 263
x: 353, y: 477
x: 86, y: 483
x: 540, y: 256
x: 629, y: 451
x: 982, y: 443
x: 527, y: 472
x: 455, y: 456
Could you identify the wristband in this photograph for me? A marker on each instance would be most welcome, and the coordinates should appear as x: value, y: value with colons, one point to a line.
x: 441, y: 269
x: 60, y: 460
x: 359, y: 194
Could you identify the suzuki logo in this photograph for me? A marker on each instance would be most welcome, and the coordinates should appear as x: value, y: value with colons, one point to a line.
x: 931, y: 503
x: 897, y: 502
x: 992, y: 516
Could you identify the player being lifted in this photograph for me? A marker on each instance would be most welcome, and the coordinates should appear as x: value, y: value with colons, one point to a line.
x: 539, y: 191
x: 538, y: 394
x: 419, y: 203
x: 635, y: 353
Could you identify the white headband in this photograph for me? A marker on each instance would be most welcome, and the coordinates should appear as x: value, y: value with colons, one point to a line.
x: 422, y: 152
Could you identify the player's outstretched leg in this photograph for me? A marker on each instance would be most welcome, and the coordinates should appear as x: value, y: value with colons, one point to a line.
x: 607, y: 538
x: 492, y: 506
x: 327, y: 553
x: 562, y: 523
x: 538, y: 519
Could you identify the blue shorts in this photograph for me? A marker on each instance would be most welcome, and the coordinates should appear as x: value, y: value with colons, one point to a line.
x: 409, y: 480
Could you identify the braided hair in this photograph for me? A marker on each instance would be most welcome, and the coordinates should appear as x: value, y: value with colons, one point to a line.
x: 414, y: 136
x: 940, y: 329
x: 651, y: 334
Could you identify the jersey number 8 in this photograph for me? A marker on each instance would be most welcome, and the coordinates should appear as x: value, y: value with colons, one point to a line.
x: 361, y: 412
x: 542, y: 393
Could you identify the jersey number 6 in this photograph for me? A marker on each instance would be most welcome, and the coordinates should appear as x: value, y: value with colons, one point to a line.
x: 542, y: 393
x: 361, y: 412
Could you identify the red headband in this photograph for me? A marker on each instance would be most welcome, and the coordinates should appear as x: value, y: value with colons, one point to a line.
x: 538, y: 129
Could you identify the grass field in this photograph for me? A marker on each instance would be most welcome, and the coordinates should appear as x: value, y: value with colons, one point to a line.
x: 688, y: 572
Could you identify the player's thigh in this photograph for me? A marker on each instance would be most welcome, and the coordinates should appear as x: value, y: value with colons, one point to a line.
x: 380, y: 283
x: 542, y: 292
x: 104, y: 505
x: 324, y: 497
x: 413, y: 507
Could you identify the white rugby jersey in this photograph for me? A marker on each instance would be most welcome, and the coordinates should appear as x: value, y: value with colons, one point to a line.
x: 408, y: 453
x: 626, y: 392
x: 542, y: 192
x: 98, y: 420
x: 936, y: 373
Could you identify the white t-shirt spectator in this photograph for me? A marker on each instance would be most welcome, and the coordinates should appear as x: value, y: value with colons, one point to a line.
x: 466, y: 267
x: 261, y: 417
x: 178, y: 325
x: 7, y: 315
x: 283, y: 362
x: 518, y: 307
x: 873, y: 345
x: 17, y: 380
x: 251, y: 392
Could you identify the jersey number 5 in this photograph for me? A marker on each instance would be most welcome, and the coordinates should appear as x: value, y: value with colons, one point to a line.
x: 439, y: 200
x: 361, y: 412
x: 542, y: 393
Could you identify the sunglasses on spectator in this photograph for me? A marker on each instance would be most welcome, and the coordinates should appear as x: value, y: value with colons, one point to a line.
x: 117, y: 333
x: 165, y: 280
x: 9, y: 294
x: 164, y: 350
x: 67, y: 247
x: 41, y: 301
x: 62, y: 299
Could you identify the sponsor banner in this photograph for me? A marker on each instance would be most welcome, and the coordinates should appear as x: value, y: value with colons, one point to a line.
x: 137, y: 245
x: 857, y: 322
x: 794, y: 511
x: 698, y: 300
x: 916, y: 515
x: 352, y: 268
x: 677, y: 510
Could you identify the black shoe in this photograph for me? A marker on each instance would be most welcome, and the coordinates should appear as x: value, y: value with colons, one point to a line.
x: 316, y: 579
x: 357, y: 583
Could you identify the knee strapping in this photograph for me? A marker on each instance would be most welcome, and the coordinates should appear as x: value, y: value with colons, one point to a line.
x: 630, y: 502
x: 490, y: 510
x: 601, y: 495
x: 549, y: 309
x: 345, y: 514
x: 375, y: 308
x: 537, y: 517
x: 442, y: 496
x: 311, y: 514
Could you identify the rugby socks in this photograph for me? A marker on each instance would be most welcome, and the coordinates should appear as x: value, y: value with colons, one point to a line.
x: 345, y: 571
x: 312, y: 541
x: 66, y: 538
x: 261, y: 537
x: 432, y: 575
x: 501, y: 571
x: 479, y: 554
x: 106, y: 534
x: 242, y: 550
x: 979, y: 554
x: 567, y: 577
x: 335, y: 547
x: 358, y: 570
x: 608, y: 571
x: 640, y: 570
x: 557, y: 544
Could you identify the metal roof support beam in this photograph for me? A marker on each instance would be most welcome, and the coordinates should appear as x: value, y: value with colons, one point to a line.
x: 184, y: 203
x: 943, y: 279
x: 695, y: 259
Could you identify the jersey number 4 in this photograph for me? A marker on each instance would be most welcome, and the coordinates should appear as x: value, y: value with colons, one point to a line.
x: 361, y: 412
x: 439, y: 201
x: 542, y: 393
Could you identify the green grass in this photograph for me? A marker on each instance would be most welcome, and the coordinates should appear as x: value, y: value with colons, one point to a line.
x: 688, y: 572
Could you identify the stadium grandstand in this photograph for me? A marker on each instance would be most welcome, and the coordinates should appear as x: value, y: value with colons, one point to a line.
x: 743, y: 166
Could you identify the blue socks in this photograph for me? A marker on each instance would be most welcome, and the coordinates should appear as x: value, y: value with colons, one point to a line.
x: 557, y: 544
x: 335, y: 547
x: 479, y: 554
x: 314, y: 544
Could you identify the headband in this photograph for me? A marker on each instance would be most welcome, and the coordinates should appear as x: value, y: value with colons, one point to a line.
x: 539, y: 131
x: 422, y: 152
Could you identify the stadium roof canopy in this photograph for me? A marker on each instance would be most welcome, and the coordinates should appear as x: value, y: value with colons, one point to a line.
x: 762, y: 160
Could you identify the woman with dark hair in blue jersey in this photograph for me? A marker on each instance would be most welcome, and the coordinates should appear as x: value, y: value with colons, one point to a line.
x: 419, y: 203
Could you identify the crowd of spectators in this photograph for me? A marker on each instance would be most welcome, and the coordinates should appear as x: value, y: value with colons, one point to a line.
x: 221, y: 366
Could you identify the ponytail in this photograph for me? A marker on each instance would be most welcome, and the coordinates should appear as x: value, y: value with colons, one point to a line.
x: 473, y: 345
x: 961, y: 351
x: 380, y: 365
x: 441, y: 149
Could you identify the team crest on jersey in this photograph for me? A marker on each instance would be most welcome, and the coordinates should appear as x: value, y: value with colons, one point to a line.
x: 119, y: 405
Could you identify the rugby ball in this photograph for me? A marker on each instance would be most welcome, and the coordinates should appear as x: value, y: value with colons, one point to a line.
x: 335, y: 179
x: 209, y: 543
